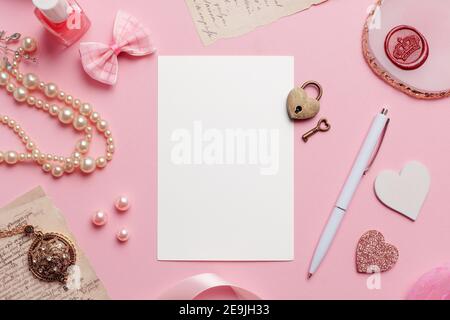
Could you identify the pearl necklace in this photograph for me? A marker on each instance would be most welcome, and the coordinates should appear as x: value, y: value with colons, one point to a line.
x: 73, y: 112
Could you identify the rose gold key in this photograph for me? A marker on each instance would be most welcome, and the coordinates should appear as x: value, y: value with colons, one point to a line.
x: 322, y: 126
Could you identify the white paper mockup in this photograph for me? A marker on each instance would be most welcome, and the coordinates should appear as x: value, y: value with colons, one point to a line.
x: 225, y: 158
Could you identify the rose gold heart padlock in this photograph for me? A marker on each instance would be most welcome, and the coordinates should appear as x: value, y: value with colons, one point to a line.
x: 300, y: 106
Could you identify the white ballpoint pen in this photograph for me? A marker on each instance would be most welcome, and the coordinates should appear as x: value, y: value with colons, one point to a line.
x: 368, y: 150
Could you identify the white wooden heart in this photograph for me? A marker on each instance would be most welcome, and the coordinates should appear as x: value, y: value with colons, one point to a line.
x: 404, y: 192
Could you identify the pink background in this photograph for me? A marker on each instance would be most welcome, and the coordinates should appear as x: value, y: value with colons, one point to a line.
x: 325, y: 42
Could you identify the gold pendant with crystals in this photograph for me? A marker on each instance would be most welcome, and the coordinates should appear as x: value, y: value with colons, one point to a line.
x: 50, y: 255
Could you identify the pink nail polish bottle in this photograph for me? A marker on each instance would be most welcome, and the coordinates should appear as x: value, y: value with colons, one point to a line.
x: 65, y: 19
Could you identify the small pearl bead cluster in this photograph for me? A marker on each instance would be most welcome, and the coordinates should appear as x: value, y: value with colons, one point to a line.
x: 71, y: 111
x: 100, y: 218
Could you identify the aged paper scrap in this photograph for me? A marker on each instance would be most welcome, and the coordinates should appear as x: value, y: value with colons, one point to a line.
x: 216, y: 19
x: 16, y: 281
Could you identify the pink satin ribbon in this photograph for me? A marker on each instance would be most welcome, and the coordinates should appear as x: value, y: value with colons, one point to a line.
x: 190, y: 288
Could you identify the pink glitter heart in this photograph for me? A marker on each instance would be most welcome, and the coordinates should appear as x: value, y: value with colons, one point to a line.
x: 373, y: 254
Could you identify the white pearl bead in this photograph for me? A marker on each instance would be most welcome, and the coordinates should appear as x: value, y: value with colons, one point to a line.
x: 66, y: 115
x: 30, y: 145
x: 11, y: 157
x: 95, y: 117
x: 31, y: 101
x: 29, y: 44
x: 47, y: 167
x: 61, y: 95
x: 31, y: 81
x: 76, y: 155
x: 111, y: 148
x: 54, y: 110
x: 122, y: 203
x: 80, y: 122
x: 76, y: 104
x: 123, y: 235
x: 21, y: 94
x: 102, y: 125
x: 69, y: 100
x: 2, y: 157
x: 4, y: 78
x: 51, y: 90
x: 100, y: 218
x: 40, y: 104
x: 69, y: 167
x: 101, y: 162
x: 86, y: 109
x: 83, y: 146
x: 10, y: 87
x: 87, y: 165
x: 57, y: 171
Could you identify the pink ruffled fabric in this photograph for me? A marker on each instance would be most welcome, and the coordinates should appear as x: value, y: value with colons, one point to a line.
x: 433, y: 285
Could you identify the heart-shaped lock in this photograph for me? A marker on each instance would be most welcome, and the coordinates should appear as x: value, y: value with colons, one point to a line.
x: 302, y: 107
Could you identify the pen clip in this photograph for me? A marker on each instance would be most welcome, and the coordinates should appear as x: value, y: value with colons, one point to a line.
x: 378, y: 147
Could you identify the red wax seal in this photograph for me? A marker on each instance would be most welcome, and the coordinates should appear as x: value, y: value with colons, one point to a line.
x: 406, y: 47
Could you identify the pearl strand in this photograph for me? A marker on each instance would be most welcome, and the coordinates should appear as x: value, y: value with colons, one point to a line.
x: 80, y: 115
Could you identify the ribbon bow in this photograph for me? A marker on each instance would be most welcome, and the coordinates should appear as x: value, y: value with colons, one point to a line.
x: 100, y: 60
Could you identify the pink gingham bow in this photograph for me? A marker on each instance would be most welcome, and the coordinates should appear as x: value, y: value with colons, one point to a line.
x: 100, y: 60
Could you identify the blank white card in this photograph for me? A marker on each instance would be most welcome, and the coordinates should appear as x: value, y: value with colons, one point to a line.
x: 225, y: 158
